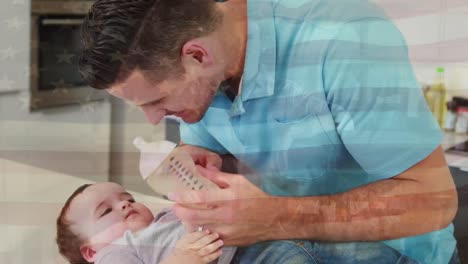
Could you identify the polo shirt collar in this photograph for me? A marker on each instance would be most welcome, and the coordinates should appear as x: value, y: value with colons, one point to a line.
x: 260, y: 61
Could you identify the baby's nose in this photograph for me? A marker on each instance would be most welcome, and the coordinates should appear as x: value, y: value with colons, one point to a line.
x: 124, y: 205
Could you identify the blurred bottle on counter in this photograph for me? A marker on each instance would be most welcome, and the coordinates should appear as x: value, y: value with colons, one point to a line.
x: 456, y: 118
x: 461, y: 126
x: 451, y: 116
x: 436, y: 96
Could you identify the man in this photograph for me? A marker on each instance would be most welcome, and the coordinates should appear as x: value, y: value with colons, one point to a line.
x: 318, y: 98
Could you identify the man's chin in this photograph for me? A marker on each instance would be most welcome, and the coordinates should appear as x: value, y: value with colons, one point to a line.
x: 191, y: 118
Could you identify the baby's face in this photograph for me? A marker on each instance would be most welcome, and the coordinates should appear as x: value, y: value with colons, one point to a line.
x: 103, y: 212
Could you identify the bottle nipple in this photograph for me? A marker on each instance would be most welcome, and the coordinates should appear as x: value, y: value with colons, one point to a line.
x: 152, y: 154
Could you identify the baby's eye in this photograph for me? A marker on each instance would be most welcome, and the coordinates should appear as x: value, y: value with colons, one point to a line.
x: 132, y: 200
x: 108, y: 210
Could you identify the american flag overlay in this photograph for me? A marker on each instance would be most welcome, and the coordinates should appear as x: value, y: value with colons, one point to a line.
x: 45, y: 155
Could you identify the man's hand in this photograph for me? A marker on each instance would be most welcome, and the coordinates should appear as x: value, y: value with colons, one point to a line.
x: 199, y: 247
x: 203, y: 157
x: 240, y: 212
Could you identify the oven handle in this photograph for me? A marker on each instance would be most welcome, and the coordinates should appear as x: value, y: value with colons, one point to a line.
x: 61, y: 22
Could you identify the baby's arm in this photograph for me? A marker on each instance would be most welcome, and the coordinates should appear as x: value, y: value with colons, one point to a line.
x: 198, y: 247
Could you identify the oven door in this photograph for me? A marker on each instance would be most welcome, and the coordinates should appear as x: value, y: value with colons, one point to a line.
x: 55, y: 51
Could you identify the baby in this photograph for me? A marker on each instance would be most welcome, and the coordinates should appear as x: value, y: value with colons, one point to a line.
x: 103, y: 224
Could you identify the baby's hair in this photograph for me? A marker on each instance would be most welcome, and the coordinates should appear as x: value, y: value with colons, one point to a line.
x: 68, y: 242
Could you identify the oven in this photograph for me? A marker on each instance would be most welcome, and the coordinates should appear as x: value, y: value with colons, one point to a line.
x: 55, y: 50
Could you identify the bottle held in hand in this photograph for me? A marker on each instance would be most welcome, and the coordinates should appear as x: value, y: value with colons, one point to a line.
x: 169, y: 169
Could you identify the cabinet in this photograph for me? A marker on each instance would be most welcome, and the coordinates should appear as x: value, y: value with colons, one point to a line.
x: 461, y: 219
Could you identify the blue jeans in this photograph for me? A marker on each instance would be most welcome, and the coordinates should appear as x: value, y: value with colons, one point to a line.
x: 455, y: 258
x: 302, y: 251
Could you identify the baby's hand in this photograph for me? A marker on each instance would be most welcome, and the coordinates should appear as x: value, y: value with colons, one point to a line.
x: 198, y: 247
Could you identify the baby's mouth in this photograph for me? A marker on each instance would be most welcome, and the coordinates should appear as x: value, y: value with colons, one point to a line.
x: 132, y: 212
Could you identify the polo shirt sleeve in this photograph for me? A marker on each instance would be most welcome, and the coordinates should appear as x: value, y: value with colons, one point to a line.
x: 197, y: 135
x: 377, y: 104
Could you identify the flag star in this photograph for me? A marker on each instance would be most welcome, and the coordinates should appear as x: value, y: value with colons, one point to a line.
x: 139, y: 52
x: 9, y: 53
x: 115, y: 36
x: 19, y: 2
x: 15, y: 23
x: 87, y: 98
x: 33, y: 102
x: 131, y: 107
x: 23, y: 98
x: 91, y: 22
x: 60, y: 91
x: 59, y: 85
x: 28, y: 71
x: 66, y: 5
x: 88, y: 107
x: 35, y: 44
x: 65, y: 57
x: 117, y: 56
x: 6, y: 84
x: 26, y: 101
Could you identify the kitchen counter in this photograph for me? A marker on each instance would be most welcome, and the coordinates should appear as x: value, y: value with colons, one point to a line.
x: 451, y: 139
x: 459, y: 169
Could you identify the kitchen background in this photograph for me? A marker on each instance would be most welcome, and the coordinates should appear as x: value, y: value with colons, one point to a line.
x: 47, y: 150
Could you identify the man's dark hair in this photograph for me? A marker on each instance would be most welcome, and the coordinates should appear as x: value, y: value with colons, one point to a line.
x: 120, y: 36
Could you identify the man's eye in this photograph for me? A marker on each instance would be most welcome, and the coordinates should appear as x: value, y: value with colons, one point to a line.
x: 108, y: 210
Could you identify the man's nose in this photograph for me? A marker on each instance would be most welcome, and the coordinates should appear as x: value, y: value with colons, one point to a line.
x: 153, y: 116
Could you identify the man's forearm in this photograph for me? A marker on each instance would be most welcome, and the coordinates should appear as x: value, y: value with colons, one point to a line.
x: 383, y: 210
x: 421, y: 199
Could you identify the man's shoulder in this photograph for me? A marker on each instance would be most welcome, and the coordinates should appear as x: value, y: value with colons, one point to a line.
x: 326, y: 11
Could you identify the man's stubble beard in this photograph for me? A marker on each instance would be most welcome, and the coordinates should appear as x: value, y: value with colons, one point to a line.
x: 211, y: 87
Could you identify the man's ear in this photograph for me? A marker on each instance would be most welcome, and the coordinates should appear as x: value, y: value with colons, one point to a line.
x: 88, y: 253
x: 196, y: 52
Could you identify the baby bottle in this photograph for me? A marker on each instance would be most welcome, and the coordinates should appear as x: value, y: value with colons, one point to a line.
x: 167, y: 169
